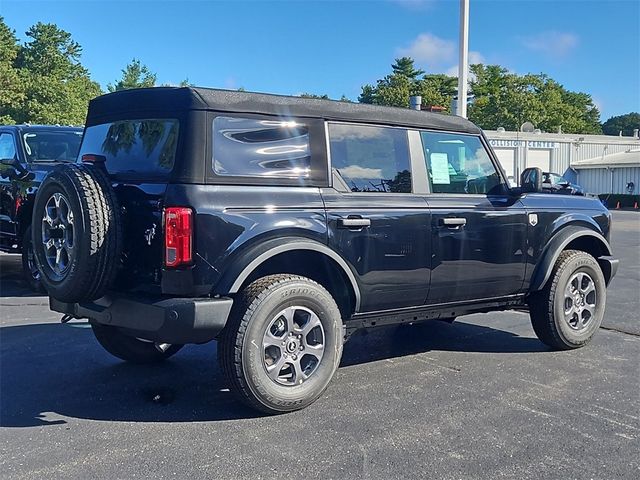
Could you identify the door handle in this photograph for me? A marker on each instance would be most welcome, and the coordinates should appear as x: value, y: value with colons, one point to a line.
x: 453, y: 222
x: 354, y: 223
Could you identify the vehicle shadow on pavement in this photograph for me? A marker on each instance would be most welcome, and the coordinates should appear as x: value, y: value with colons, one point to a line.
x: 398, y: 341
x: 52, y: 371
x: 12, y: 283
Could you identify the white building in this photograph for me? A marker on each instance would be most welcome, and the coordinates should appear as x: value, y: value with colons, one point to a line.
x: 557, y: 152
x: 614, y: 173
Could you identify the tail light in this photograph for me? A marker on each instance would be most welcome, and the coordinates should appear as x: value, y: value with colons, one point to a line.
x: 178, y: 236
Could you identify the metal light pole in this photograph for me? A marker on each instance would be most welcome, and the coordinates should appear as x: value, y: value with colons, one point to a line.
x: 463, y: 64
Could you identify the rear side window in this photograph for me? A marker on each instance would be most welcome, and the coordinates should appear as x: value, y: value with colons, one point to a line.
x: 134, y: 146
x: 371, y: 159
x: 264, y: 148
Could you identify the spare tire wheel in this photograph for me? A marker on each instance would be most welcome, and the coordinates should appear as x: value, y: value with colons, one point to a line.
x: 77, y: 238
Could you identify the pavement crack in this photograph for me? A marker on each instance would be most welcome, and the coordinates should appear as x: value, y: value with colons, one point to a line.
x: 613, y: 329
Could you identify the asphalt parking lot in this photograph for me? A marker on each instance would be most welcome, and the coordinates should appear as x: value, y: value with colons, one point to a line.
x: 481, y: 398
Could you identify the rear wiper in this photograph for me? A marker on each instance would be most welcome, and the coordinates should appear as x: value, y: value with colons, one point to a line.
x: 57, y: 160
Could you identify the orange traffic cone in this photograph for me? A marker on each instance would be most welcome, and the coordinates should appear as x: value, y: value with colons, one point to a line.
x: 618, y: 206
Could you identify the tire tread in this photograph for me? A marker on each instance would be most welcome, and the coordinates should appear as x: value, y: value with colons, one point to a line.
x: 541, y: 304
x: 232, y: 338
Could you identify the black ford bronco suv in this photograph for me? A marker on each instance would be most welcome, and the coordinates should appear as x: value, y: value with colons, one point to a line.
x: 279, y: 225
x: 27, y: 154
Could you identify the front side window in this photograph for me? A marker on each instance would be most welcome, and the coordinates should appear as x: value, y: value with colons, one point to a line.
x: 263, y: 148
x: 7, y: 147
x: 134, y: 146
x: 371, y: 159
x: 458, y: 164
x: 47, y: 146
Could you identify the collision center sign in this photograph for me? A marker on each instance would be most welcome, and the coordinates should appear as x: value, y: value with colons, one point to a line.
x: 522, y: 143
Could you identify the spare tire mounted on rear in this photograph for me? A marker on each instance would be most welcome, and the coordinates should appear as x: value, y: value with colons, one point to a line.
x: 77, y: 237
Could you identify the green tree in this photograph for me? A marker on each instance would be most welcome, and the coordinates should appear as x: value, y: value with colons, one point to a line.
x: 396, y: 88
x: 57, y: 87
x: 11, y: 84
x: 134, y: 75
x: 405, y: 66
x: 437, y: 89
x: 622, y: 123
x: 393, y: 90
x: 313, y: 95
x: 368, y: 94
x: 505, y: 99
x: 323, y: 97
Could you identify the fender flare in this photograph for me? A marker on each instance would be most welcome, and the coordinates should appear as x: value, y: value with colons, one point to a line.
x: 233, y: 280
x: 555, y: 247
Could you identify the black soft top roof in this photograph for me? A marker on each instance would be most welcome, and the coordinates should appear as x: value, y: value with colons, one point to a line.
x: 171, y: 100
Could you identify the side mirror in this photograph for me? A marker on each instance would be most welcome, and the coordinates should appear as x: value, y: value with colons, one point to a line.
x: 531, y: 180
x: 17, y: 172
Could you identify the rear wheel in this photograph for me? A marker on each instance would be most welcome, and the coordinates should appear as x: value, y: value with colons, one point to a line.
x: 30, y: 271
x: 282, y: 344
x: 568, y: 311
x: 132, y: 349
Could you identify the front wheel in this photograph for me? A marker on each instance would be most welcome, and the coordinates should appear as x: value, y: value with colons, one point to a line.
x: 568, y: 311
x: 132, y: 349
x: 282, y: 344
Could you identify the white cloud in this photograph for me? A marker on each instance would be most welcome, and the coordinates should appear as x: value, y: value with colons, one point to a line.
x: 430, y: 49
x: 230, y: 83
x: 598, y: 103
x: 415, y: 4
x: 356, y: 171
x: 474, y: 57
x: 552, y: 43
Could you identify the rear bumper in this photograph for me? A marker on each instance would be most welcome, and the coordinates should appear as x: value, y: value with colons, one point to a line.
x: 609, y: 266
x: 166, y: 320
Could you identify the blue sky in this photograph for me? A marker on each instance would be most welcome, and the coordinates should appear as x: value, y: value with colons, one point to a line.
x: 335, y: 47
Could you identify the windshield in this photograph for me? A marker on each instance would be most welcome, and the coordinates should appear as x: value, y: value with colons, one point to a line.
x: 60, y: 146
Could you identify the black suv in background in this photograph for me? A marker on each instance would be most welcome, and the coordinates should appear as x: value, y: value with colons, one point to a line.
x: 280, y: 225
x: 28, y: 153
x: 556, y: 183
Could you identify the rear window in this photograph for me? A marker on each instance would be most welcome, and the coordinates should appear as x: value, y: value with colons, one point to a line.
x: 42, y: 145
x: 134, y: 146
x: 249, y: 147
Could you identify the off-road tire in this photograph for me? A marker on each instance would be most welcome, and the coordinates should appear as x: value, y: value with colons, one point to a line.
x: 97, y: 234
x: 128, y: 348
x: 31, y: 277
x: 252, y: 312
x: 547, y: 306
